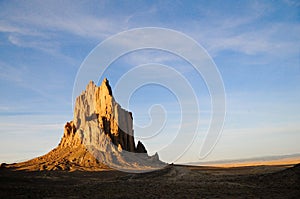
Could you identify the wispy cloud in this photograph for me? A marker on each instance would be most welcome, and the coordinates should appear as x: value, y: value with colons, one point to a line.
x: 29, y: 42
x: 154, y: 56
x: 234, y: 33
x: 248, y: 32
x: 292, y: 2
x: 50, y: 18
x: 10, y: 73
x: 268, y: 40
x: 48, y: 39
x: 20, y: 128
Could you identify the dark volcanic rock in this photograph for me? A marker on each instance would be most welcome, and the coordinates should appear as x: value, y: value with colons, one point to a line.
x: 140, y: 148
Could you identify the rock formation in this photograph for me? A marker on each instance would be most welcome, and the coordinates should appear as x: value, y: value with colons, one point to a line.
x: 100, y: 136
x: 98, y: 104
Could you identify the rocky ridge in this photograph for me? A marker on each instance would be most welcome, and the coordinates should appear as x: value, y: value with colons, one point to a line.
x: 100, y: 136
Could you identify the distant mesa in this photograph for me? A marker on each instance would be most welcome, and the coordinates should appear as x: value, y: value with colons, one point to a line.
x: 100, y: 136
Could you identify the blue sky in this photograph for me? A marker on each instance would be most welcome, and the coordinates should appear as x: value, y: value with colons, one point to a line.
x: 254, y: 44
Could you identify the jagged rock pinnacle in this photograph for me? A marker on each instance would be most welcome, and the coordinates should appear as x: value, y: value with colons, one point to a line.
x: 99, y: 136
x: 97, y: 103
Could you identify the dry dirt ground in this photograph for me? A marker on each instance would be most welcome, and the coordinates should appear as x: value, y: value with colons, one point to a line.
x: 174, y: 181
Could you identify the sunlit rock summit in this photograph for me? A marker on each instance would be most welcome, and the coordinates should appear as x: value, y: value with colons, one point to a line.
x: 100, y: 136
x: 97, y: 111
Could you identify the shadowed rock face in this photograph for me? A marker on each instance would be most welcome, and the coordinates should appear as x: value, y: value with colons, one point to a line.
x: 140, y: 148
x: 100, y: 136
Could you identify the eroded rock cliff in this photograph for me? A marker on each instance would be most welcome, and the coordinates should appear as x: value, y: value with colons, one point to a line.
x: 100, y: 136
x: 98, y: 104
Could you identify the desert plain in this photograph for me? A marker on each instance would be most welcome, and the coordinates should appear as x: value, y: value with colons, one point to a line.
x: 173, y: 181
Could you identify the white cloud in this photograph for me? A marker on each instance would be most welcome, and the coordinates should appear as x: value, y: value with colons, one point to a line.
x: 264, y: 40
x: 50, y: 17
x: 44, y: 45
x: 248, y: 32
x: 217, y: 34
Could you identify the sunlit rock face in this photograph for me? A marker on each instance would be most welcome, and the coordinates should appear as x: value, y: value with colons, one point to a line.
x: 100, y: 136
x: 106, y: 130
x: 96, y: 112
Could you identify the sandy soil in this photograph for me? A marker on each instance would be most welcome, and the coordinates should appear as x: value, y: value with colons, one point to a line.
x: 283, y: 161
x: 174, y: 181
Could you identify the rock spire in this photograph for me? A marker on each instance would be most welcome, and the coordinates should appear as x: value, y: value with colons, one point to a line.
x: 100, y: 136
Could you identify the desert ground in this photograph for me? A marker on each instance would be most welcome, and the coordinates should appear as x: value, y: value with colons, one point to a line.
x: 174, y: 181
